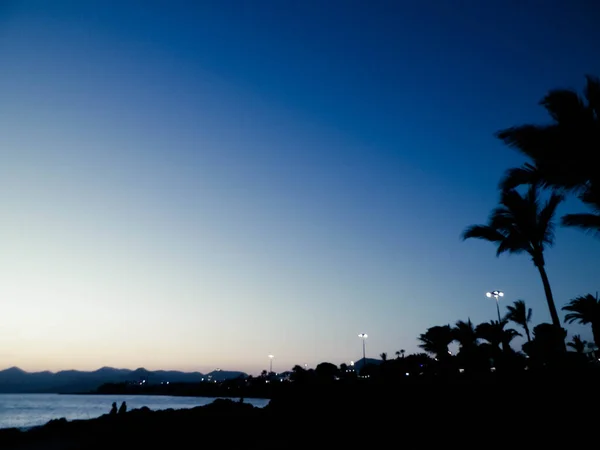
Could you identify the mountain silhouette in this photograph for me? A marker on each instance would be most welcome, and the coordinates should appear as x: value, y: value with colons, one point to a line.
x: 16, y: 380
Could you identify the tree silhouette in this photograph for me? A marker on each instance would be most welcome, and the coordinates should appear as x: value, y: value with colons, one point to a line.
x: 585, y: 310
x: 469, y: 355
x: 436, y: 340
x: 326, y: 371
x: 383, y: 356
x: 466, y: 336
x: 548, y: 343
x: 521, y: 224
x: 577, y: 344
x: 496, y: 335
x: 563, y: 154
x: 521, y: 315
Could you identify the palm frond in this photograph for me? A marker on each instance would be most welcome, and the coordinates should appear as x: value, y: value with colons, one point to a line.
x: 584, y: 309
x: 518, y: 313
x: 518, y: 176
x: 587, y: 222
x: 484, y: 232
x: 529, y: 140
x: 546, y: 216
x: 512, y: 244
x: 564, y: 106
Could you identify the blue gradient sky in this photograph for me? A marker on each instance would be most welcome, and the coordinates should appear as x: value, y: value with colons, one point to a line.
x: 193, y: 185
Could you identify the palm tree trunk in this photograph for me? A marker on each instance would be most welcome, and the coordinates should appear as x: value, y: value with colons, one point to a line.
x: 527, y: 332
x: 549, y: 297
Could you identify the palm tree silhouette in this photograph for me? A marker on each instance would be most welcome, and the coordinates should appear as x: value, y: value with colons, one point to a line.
x: 577, y: 344
x: 564, y: 153
x: 519, y: 313
x: 383, y: 356
x: 585, y: 310
x: 521, y: 224
x: 436, y: 341
x: 496, y: 335
x: 466, y: 336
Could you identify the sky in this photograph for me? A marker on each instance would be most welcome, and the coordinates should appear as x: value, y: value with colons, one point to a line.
x: 197, y: 185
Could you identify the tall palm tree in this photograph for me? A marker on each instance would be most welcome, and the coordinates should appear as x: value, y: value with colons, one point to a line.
x: 577, y: 344
x: 563, y: 154
x: 585, y: 310
x: 383, y: 356
x: 436, y: 341
x: 521, y: 315
x: 521, y: 224
x: 464, y: 333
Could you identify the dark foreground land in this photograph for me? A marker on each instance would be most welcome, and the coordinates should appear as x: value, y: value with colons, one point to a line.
x: 517, y: 412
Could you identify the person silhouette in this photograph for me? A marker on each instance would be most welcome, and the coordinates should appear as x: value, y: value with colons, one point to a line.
x: 123, y: 408
x: 113, y: 410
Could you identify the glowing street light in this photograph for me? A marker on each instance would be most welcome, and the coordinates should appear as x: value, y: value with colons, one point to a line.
x: 496, y: 294
x: 271, y: 363
x: 364, y: 337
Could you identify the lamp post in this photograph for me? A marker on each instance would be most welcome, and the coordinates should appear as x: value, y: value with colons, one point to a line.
x: 496, y: 294
x: 364, y: 337
x: 271, y: 363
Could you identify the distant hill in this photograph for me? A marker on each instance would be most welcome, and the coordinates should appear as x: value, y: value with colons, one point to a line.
x: 15, y: 380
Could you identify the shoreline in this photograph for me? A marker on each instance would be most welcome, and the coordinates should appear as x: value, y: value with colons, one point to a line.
x: 166, y: 394
x: 30, y: 412
x: 309, y: 415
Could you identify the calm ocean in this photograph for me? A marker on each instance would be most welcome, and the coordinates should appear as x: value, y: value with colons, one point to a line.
x: 30, y: 410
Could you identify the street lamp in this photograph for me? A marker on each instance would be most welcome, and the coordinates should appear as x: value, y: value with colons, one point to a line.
x: 496, y: 294
x: 271, y: 363
x: 364, y: 337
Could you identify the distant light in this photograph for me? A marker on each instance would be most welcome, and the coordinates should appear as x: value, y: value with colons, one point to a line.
x: 363, y: 335
x: 271, y: 356
x: 407, y: 374
x: 488, y: 294
x: 352, y: 363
